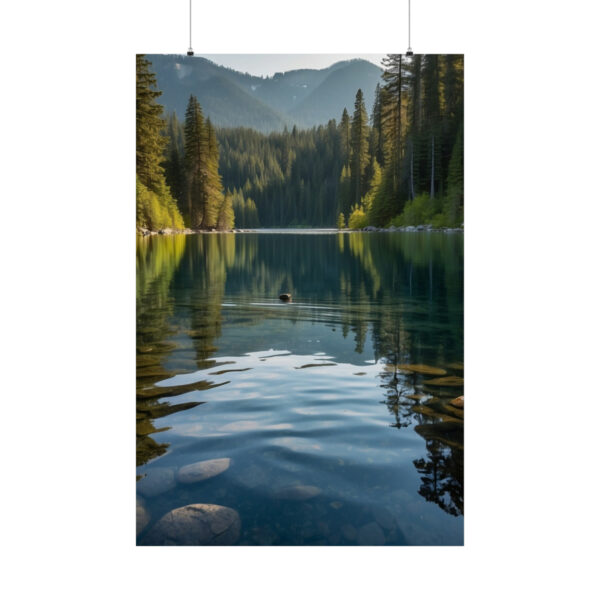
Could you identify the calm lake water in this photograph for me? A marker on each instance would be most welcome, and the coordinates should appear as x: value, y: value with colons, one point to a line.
x: 329, y: 441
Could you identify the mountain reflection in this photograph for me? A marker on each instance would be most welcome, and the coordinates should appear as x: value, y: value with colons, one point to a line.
x: 399, y: 295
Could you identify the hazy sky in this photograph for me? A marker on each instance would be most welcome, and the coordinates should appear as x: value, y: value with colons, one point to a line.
x: 268, y: 64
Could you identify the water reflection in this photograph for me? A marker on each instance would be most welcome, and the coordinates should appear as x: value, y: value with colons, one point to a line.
x: 364, y: 306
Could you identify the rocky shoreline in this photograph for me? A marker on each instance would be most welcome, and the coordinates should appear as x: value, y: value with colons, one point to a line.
x: 370, y: 229
x: 187, y: 231
x: 411, y: 228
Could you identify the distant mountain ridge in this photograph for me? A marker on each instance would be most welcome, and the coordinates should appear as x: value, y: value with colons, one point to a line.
x: 302, y: 97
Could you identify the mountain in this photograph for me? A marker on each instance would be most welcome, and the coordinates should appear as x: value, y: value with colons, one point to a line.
x: 337, y: 91
x: 303, y: 97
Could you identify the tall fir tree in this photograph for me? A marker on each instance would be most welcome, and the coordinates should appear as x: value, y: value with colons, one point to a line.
x: 195, y: 153
x: 392, y: 121
x: 155, y: 206
x: 359, y: 133
x: 215, y: 205
x: 225, y: 213
x: 345, y: 139
x: 431, y: 116
x: 174, y: 161
x: 377, y: 150
x: 149, y: 125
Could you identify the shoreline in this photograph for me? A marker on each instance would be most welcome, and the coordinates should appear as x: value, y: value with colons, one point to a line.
x: 307, y: 230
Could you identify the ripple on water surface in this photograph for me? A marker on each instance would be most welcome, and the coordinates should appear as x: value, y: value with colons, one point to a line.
x: 335, y: 418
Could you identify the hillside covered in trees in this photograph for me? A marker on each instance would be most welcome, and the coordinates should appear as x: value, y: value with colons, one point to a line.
x: 400, y: 164
x: 189, y: 190
x: 302, y: 97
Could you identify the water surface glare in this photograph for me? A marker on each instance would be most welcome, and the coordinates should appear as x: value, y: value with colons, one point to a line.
x: 333, y: 410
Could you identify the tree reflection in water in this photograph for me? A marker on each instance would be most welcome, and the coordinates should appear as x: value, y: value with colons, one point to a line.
x: 402, y: 293
x: 442, y: 475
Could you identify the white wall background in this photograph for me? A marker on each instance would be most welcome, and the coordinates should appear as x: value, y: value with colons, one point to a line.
x: 68, y: 315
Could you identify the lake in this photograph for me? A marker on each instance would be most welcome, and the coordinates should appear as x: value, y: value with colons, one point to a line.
x: 330, y: 413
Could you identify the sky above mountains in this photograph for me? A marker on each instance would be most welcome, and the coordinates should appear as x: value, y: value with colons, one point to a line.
x: 268, y: 64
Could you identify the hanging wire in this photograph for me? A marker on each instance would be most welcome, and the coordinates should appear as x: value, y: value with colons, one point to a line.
x: 409, y: 52
x: 190, y: 52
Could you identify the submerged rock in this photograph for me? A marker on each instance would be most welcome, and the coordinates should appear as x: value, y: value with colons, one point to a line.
x: 450, y: 381
x: 441, y: 392
x: 423, y: 369
x: 196, y: 525
x: 458, y: 366
x: 447, y: 432
x: 157, y: 481
x: 371, y: 535
x: 142, y: 516
x: 439, y: 410
x: 458, y: 402
x: 204, y: 469
x: 298, y: 492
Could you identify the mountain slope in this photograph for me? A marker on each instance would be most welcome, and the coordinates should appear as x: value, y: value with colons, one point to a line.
x: 337, y: 92
x: 305, y: 97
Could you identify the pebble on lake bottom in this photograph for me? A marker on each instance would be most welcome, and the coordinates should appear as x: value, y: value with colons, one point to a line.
x: 196, y: 525
x: 458, y: 402
x: 142, y: 516
x: 204, y: 469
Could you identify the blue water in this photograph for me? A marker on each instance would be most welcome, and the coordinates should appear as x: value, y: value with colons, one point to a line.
x: 307, y: 394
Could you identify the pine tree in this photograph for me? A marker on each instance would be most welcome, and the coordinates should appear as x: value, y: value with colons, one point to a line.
x: 149, y: 124
x: 345, y: 190
x: 431, y: 116
x: 196, y: 152
x: 174, y: 165
x: 341, y: 222
x: 392, y: 122
x: 345, y: 139
x: 414, y: 122
x: 155, y: 207
x: 377, y: 143
x: 251, y: 213
x: 225, y: 215
x: 367, y: 200
x: 213, y: 187
x: 359, y: 132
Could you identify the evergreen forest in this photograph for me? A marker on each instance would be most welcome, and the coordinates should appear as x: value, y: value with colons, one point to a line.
x: 398, y: 162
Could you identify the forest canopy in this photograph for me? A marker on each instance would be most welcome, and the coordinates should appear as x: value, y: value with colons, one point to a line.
x: 399, y: 164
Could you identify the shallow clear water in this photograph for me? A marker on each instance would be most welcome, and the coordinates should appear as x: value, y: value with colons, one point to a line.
x: 304, y: 395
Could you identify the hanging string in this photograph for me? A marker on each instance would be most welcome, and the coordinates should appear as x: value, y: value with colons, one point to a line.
x: 409, y: 52
x: 190, y: 52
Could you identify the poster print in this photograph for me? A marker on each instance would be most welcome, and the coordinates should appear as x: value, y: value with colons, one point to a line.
x: 299, y: 258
